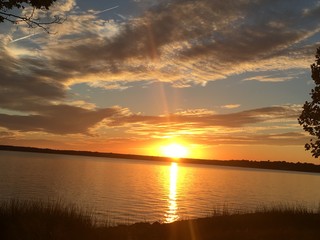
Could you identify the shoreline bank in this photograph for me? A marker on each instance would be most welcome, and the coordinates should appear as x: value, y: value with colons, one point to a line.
x: 268, y: 165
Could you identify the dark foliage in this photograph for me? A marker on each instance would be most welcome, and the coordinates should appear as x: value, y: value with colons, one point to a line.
x: 11, y: 4
x: 8, y: 12
x: 310, y: 116
x: 40, y: 220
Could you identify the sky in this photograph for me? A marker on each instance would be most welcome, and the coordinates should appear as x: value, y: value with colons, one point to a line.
x: 227, y: 79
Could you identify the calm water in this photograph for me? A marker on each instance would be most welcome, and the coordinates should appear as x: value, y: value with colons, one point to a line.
x: 128, y: 191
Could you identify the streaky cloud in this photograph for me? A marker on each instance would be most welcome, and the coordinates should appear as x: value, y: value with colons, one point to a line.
x: 106, y: 10
x: 25, y: 37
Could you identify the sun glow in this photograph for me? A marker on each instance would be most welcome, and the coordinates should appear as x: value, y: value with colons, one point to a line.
x: 174, y: 150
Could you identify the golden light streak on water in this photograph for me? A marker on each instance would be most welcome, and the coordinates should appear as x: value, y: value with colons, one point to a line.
x: 171, y: 214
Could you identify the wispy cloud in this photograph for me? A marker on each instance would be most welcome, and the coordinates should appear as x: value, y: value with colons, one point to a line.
x: 78, y: 118
x: 231, y: 106
x: 208, y: 118
x: 268, y: 79
x: 25, y: 37
x: 105, y: 10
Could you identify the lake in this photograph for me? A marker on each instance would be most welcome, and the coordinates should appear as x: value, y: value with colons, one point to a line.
x: 127, y: 191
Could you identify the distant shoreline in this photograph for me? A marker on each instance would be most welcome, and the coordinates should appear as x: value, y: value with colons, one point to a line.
x: 271, y: 165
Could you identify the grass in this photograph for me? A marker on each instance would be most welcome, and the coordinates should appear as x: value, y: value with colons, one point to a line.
x: 56, y: 220
x: 44, y: 220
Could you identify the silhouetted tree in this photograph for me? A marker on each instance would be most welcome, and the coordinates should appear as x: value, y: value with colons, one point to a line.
x: 9, y: 12
x: 310, y: 116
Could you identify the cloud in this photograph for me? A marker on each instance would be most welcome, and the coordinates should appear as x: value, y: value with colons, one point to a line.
x: 63, y: 6
x: 72, y: 119
x: 105, y: 10
x: 6, y: 135
x: 282, y: 139
x: 183, y: 42
x: 270, y: 126
x: 25, y: 37
x: 195, y: 112
x: 264, y: 126
x: 25, y: 83
x: 268, y: 79
x: 119, y: 85
x: 205, y: 118
x: 60, y: 119
x: 231, y: 106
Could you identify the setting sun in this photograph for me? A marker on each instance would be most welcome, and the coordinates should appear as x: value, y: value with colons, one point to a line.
x: 174, y: 150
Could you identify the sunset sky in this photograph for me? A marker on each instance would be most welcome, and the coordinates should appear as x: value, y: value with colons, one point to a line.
x: 227, y: 79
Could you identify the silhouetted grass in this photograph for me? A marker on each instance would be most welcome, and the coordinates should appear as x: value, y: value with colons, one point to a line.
x: 44, y: 220
x: 41, y: 220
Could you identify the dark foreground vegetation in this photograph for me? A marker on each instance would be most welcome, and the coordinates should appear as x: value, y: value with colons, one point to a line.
x: 274, y: 165
x: 38, y: 220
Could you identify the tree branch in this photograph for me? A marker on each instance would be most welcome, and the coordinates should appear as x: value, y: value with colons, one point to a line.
x: 32, y: 23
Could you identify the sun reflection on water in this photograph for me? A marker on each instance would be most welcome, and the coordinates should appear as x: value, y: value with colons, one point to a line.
x: 171, y: 214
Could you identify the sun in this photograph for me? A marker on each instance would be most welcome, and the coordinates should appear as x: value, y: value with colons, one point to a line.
x: 174, y: 150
